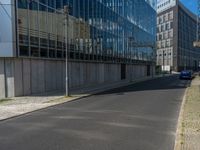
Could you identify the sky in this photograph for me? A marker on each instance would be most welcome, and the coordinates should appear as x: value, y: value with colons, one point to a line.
x: 190, y: 4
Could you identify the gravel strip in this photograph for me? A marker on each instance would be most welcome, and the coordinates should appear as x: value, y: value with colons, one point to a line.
x: 189, y: 129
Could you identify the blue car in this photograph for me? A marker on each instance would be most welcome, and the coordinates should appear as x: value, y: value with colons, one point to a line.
x: 186, y: 74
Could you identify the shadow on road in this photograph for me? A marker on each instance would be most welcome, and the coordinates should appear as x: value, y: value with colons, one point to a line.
x: 164, y: 83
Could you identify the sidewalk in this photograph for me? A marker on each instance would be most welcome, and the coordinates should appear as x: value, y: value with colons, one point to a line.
x: 188, y: 132
x: 22, y: 105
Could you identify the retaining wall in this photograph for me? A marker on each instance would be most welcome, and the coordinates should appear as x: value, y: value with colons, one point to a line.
x: 21, y: 76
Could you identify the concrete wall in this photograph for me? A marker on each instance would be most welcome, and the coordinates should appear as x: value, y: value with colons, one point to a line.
x: 2, y: 79
x: 20, y: 76
x: 6, y: 78
x: 35, y: 76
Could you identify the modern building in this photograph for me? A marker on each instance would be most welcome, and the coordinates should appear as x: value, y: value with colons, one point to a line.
x: 107, y: 41
x: 176, y: 32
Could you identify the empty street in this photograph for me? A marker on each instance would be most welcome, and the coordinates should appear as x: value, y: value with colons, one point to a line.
x: 141, y: 116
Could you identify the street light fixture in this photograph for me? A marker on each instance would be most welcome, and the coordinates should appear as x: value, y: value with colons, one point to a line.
x: 66, y: 12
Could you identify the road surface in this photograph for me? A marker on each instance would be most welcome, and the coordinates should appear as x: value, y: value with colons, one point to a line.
x: 142, y: 116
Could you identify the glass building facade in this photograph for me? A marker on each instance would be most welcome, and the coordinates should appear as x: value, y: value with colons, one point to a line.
x: 121, y: 31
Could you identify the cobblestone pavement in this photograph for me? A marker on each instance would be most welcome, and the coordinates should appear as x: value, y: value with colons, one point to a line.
x: 188, y: 136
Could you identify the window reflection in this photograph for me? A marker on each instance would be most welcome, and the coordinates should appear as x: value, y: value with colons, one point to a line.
x: 98, y: 30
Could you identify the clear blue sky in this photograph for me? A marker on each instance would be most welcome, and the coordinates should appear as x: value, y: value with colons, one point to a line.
x: 191, y: 4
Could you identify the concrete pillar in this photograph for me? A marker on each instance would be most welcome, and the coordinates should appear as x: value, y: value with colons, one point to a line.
x: 37, y: 76
x: 75, y: 74
x: 41, y: 76
x: 53, y: 72
x: 2, y: 79
x: 18, y: 77
x: 59, y: 75
x: 9, y: 76
x: 27, y: 76
x: 106, y: 73
x: 100, y: 73
x: 81, y: 74
x: 69, y: 74
x: 84, y: 74
x: 64, y: 75
x: 88, y: 75
x: 48, y: 76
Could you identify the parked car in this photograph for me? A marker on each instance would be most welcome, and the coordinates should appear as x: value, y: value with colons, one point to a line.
x: 186, y: 74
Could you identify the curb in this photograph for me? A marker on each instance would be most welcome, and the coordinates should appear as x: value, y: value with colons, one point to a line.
x: 178, y: 138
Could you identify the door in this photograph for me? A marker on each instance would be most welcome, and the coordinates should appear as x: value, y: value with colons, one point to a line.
x: 123, y: 71
x: 148, y: 70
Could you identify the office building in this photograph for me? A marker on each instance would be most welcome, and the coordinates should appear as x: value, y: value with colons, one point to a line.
x: 176, y: 32
x: 107, y: 41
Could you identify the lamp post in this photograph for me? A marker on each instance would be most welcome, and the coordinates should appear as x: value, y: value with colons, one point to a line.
x: 66, y: 12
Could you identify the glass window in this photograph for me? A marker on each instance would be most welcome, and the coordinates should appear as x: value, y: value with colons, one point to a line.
x: 100, y: 30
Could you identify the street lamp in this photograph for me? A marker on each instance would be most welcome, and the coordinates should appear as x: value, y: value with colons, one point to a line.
x: 66, y: 12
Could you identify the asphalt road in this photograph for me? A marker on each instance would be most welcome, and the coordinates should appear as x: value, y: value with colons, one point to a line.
x: 142, y: 116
